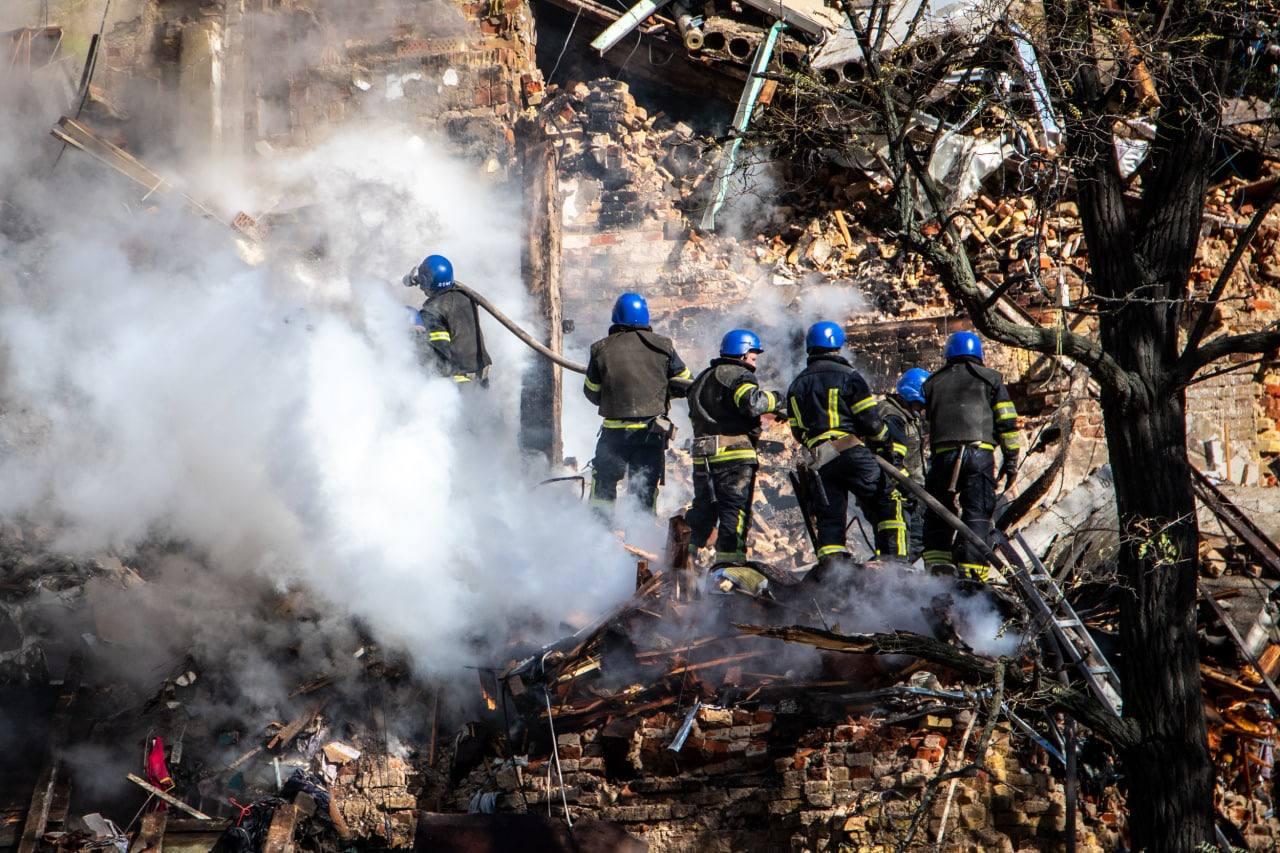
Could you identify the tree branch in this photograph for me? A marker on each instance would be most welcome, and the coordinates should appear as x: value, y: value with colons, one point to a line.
x: 1242, y: 243
x: 949, y: 256
x: 1251, y: 342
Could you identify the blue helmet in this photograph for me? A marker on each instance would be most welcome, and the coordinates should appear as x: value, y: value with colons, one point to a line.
x: 435, y: 273
x: 962, y: 344
x: 824, y: 335
x: 739, y: 342
x: 415, y: 317
x: 631, y: 310
x: 910, y: 386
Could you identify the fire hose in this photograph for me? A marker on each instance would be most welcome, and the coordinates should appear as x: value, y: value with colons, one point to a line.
x: 514, y: 328
x: 945, y: 514
x: 528, y: 339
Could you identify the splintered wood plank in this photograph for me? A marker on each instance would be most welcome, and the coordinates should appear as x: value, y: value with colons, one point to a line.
x: 280, y: 833
x: 38, y: 813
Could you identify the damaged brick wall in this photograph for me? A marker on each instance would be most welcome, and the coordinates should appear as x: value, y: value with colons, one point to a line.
x: 244, y: 74
x: 764, y: 780
x: 636, y: 182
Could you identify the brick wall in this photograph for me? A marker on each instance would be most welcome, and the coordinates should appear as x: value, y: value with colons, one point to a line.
x: 247, y: 72
x: 768, y: 780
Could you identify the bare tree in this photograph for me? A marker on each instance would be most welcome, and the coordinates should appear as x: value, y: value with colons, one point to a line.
x: 1166, y: 68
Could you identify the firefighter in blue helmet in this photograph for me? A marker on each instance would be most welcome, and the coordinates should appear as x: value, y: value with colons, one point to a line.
x: 834, y: 415
x: 631, y: 377
x: 452, y: 322
x: 726, y: 405
x: 902, y: 409
x: 969, y: 413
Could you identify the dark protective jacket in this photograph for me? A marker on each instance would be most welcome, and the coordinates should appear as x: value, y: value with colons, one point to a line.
x: 968, y: 403
x: 906, y: 430
x: 453, y: 331
x: 725, y: 399
x: 629, y: 374
x: 830, y: 399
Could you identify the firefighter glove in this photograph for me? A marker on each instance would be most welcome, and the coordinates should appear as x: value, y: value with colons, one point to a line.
x: 1008, y: 472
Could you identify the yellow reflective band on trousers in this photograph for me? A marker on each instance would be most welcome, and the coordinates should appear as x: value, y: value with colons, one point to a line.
x: 828, y: 550
x: 461, y: 377
x: 1006, y: 407
x: 833, y: 408
x: 933, y: 558
x: 900, y: 449
x: 974, y: 571
x: 1009, y: 441
x: 742, y: 391
x: 612, y: 423
x: 440, y: 336
x: 598, y: 501
x: 899, y: 524
x: 591, y: 386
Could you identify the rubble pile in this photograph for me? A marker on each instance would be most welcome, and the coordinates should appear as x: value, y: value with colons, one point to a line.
x: 742, y: 781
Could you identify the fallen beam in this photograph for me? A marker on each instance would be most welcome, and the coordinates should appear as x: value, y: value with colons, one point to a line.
x: 1262, y: 546
x: 1240, y: 645
x: 289, y: 732
x: 280, y: 833
x: 167, y: 797
x: 38, y: 812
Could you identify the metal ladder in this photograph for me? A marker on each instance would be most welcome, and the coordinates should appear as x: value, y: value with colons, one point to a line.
x: 1052, y: 610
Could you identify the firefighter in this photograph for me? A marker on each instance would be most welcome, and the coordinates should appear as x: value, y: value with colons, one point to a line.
x: 452, y: 322
x: 726, y: 404
x: 902, y: 410
x: 631, y: 376
x: 969, y: 412
x: 834, y: 414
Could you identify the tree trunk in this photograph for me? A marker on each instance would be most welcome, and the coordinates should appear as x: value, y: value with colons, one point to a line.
x: 1170, y: 774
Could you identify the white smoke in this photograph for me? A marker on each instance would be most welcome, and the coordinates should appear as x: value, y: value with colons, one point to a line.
x: 274, y: 418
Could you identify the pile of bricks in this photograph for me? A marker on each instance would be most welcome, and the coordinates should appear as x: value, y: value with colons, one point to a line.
x: 767, y: 779
x: 376, y: 796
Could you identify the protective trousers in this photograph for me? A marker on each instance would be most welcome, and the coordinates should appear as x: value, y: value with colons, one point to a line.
x: 975, y: 483
x: 638, y: 454
x: 722, y: 492
x: 915, y: 529
x: 855, y: 470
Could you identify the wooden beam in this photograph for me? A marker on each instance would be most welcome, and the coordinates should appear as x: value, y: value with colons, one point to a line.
x: 38, y: 812
x: 280, y: 833
x: 542, y: 395
x: 167, y: 797
x: 1240, y: 645
x: 289, y: 732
